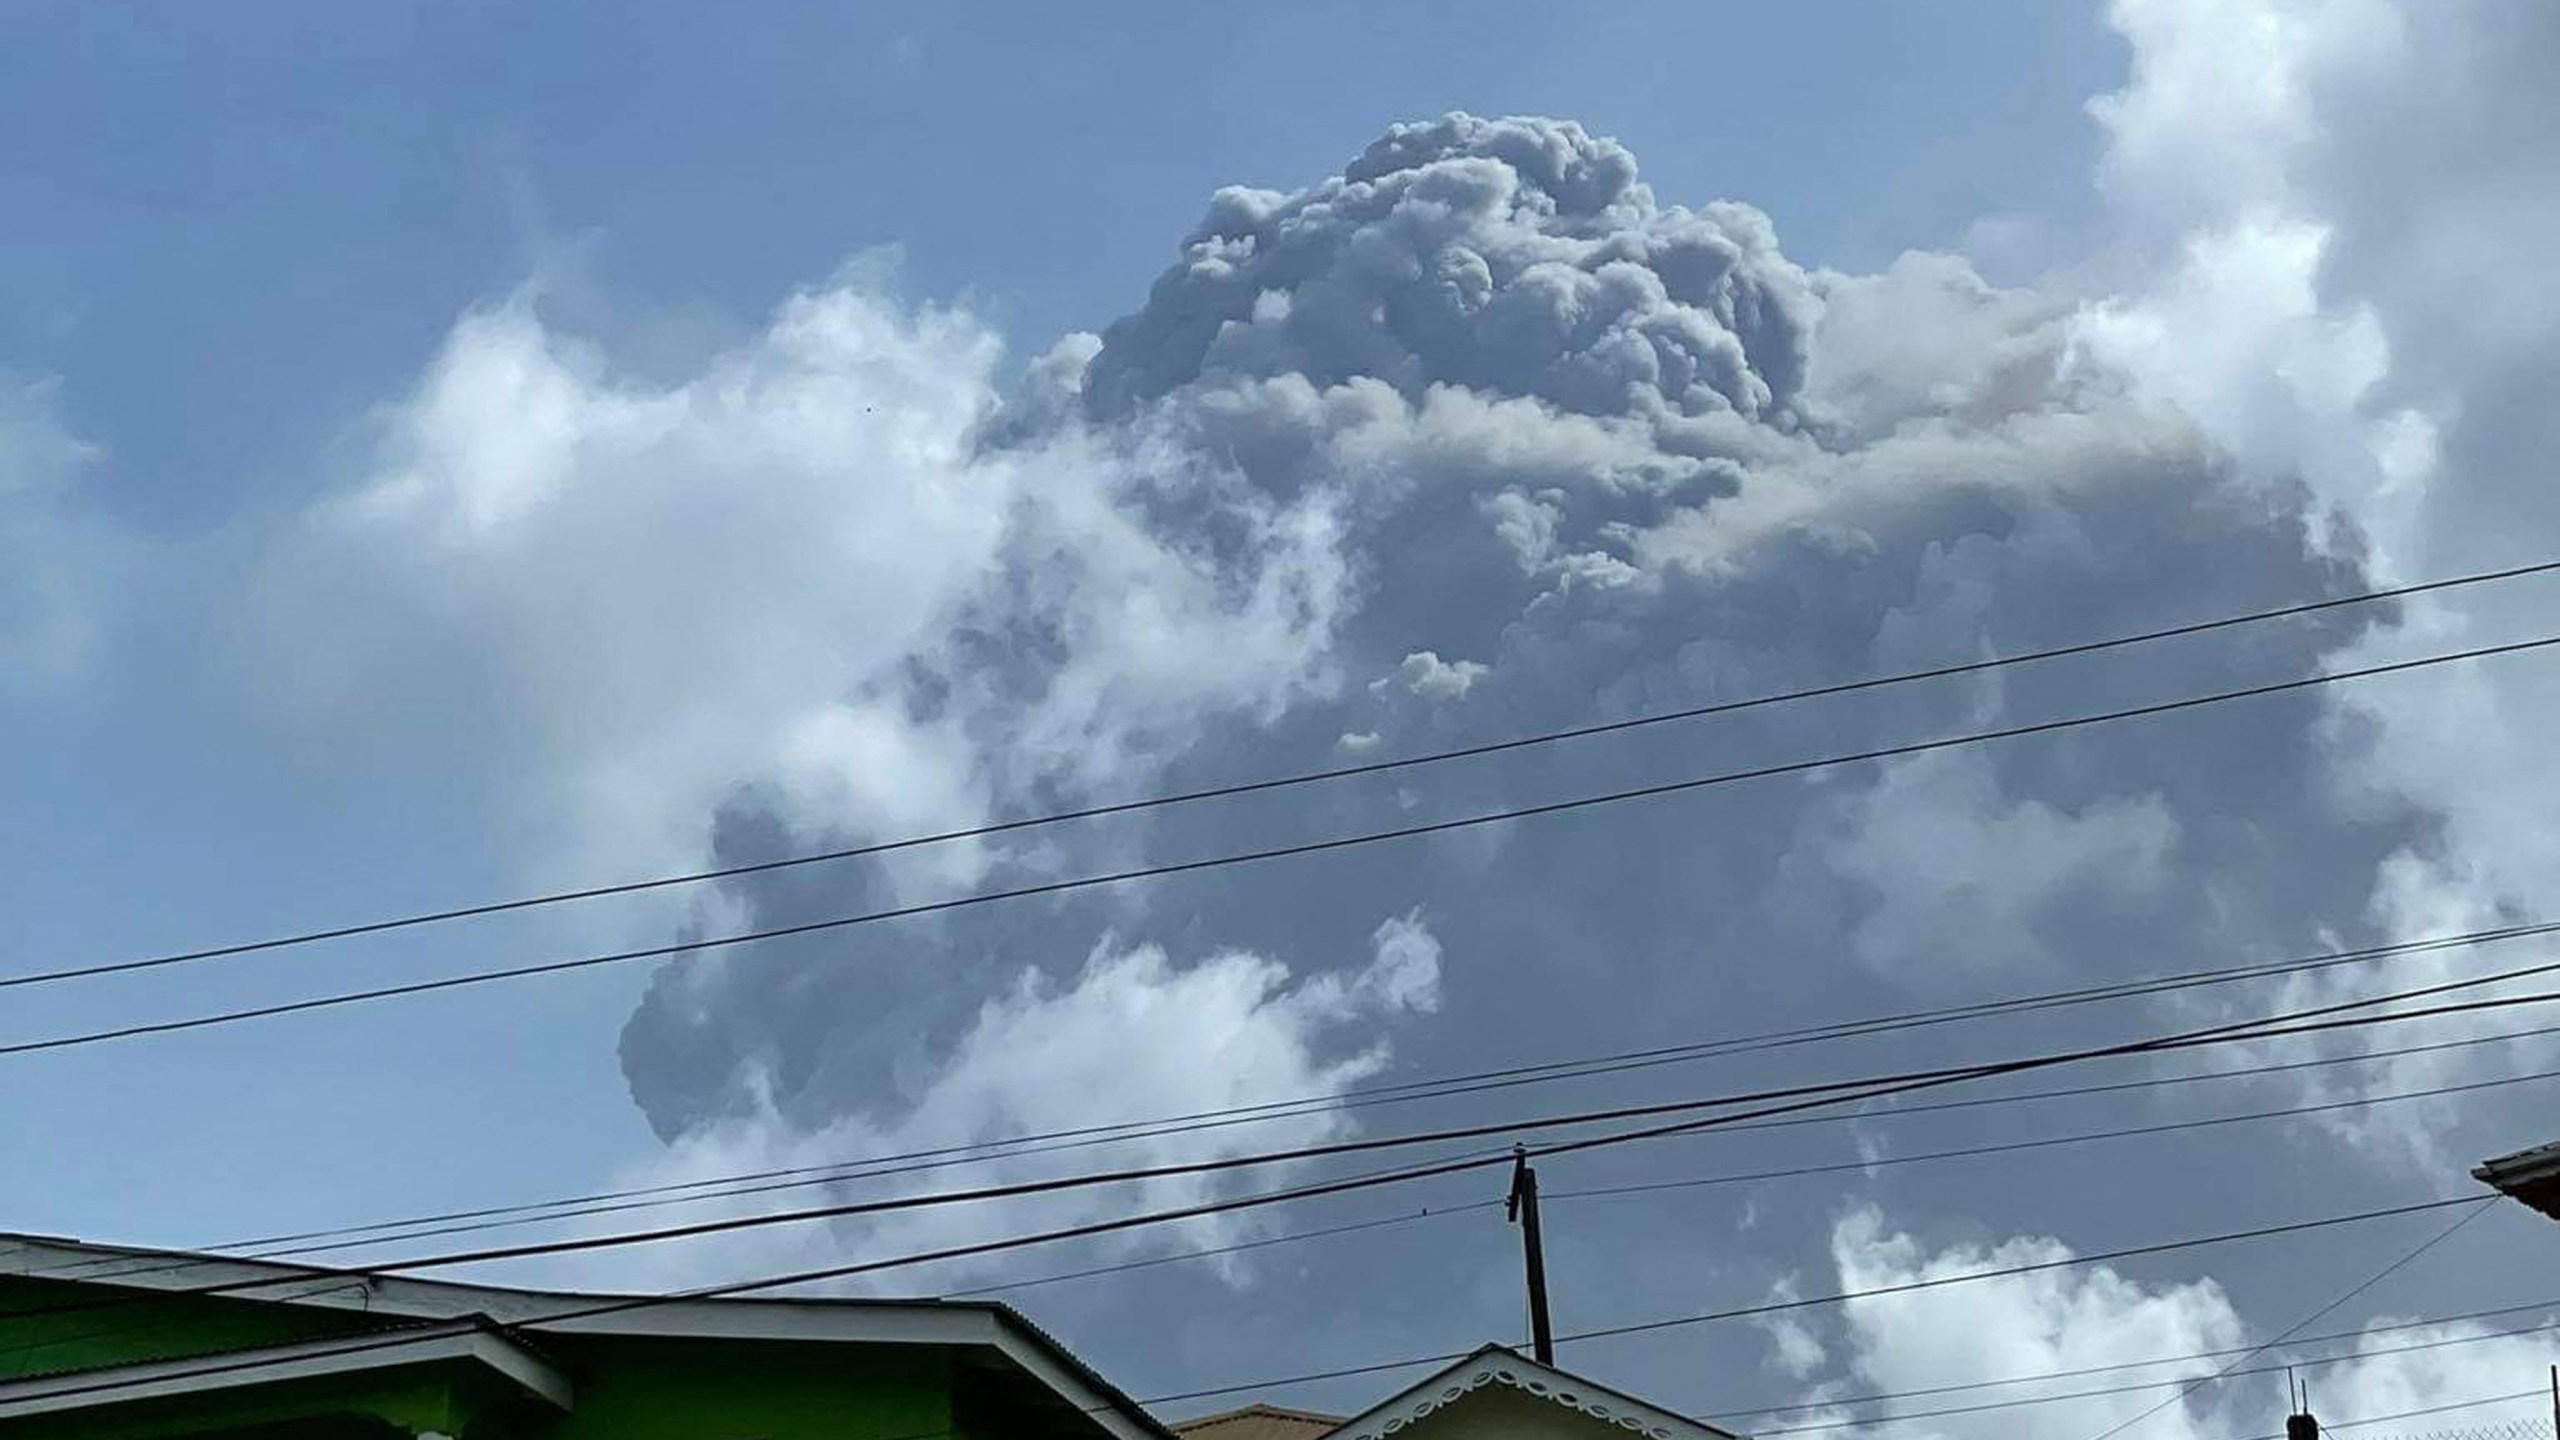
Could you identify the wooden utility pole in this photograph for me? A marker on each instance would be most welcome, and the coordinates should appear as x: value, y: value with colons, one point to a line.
x: 1522, y: 1208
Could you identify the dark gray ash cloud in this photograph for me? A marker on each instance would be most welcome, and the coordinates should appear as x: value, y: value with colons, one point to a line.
x: 1610, y: 456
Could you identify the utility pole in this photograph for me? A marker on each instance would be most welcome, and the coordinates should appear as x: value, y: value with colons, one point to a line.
x: 2299, y: 1425
x: 1522, y: 1209
x: 2555, y: 1399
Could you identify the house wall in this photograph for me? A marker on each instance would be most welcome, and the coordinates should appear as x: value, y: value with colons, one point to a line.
x: 712, y: 1390
x: 392, y: 1407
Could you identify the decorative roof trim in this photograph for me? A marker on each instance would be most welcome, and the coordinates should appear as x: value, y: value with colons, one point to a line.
x: 1497, y: 1365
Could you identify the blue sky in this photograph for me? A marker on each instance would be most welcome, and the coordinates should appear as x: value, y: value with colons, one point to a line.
x: 452, y: 450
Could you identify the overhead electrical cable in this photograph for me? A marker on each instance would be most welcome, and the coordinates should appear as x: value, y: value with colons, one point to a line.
x: 2479, y: 1208
x: 1901, y: 1416
x: 1809, y: 1302
x: 114, y: 1268
x: 1792, y: 1098
x: 2363, y: 1352
x: 1998, y: 1148
x: 123, y: 1268
x: 1249, y: 787
x: 591, y: 1311
x: 1245, y: 857
x: 1823, y: 1093
x: 2536, y: 1393
x: 1695, y: 1182
x: 1088, y: 1136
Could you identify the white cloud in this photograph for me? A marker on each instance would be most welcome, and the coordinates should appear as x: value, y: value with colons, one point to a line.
x: 1135, y: 1035
x: 1425, y: 674
x: 642, y: 600
x: 1794, y: 1350
x: 2073, y: 1318
x: 2058, y: 1319
x: 2355, y: 295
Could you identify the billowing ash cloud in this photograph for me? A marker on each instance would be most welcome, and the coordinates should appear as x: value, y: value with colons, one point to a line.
x: 1475, y: 438
x: 1510, y: 257
x: 1581, y: 454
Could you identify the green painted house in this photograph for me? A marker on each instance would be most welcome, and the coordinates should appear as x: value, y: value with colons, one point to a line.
x: 109, y: 1343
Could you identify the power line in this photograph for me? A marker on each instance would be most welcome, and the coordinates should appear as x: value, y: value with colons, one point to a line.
x: 1901, y: 1416
x: 874, y: 1167
x: 1872, y: 1292
x: 2243, y: 1072
x: 1878, y: 1397
x: 128, y: 1271
x: 2263, y: 1028
x: 1341, y: 772
x: 1123, y: 1267
x: 1312, y: 847
x: 1756, y: 1176
x: 1018, y: 1189
x: 2045, y: 1143
x: 2534, y: 1394
x: 2386, y: 1272
x: 626, y: 1305
x: 1794, y: 1098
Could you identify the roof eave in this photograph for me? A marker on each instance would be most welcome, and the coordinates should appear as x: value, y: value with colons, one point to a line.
x: 476, y: 1344
x: 2532, y: 1176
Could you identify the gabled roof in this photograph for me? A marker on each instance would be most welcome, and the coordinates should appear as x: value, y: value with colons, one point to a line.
x: 983, y: 1325
x: 1258, y: 1422
x: 1498, y: 1365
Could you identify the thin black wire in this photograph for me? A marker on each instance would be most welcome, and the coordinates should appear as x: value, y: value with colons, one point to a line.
x: 642, y: 1302
x: 2258, y: 1029
x: 1341, y: 772
x: 128, y: 1271
x: 2534, y: 1394
x: 1329, y: 1149
x: 1901, y: 1416
x: 1245, y: 857
x: 2529, y: 1427
x: 1838, y: 1297
x: 1795, y: 1098
x: 2480, y: 1208
x: 1755, y: 1176
x: 1801, y: 1407
x: 1083, y: 1137
x: 2243, y: 1072
x: 2004, y: 1382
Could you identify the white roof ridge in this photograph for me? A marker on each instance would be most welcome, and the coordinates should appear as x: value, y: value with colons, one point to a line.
x: 1500, y: 1365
